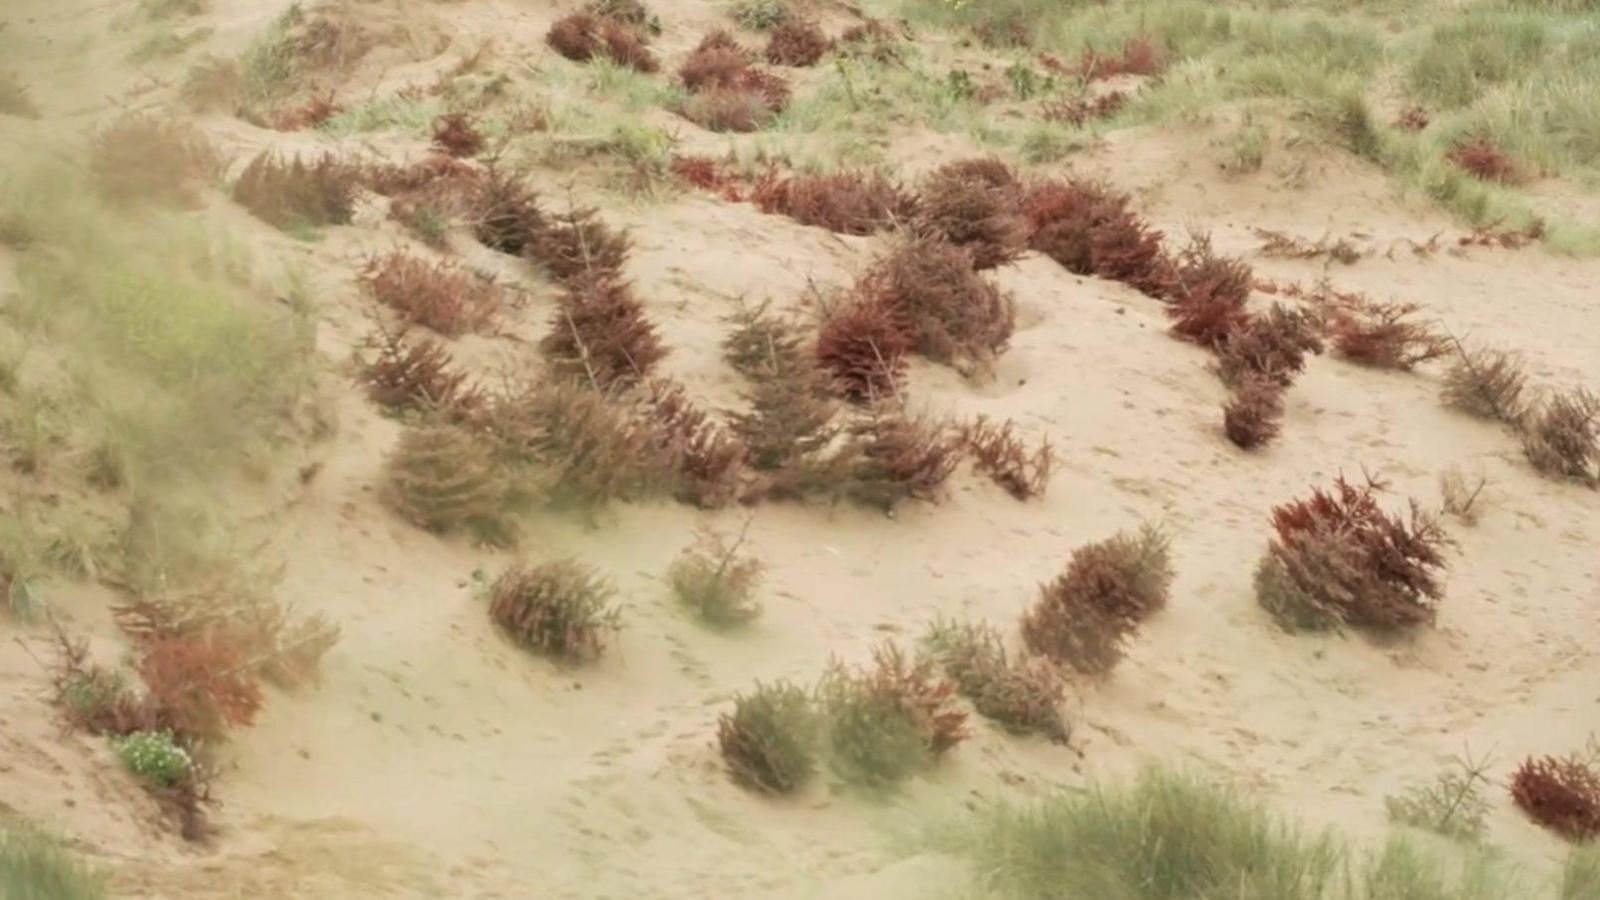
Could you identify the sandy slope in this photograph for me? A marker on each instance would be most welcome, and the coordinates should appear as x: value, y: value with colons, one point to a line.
x: 436, y: 761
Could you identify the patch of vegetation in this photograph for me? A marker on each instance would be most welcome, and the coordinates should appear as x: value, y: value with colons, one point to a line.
x: 1086, y: 616
x: 559, y: 609
x: 297, y: 193
x: 139, y: 157
x: 34, y: 866
x: 154, y: 757
x: 1341, y: 559
x: 887, y: 721
x: 714, y: 581
x: 1453, y: 805
x: 1580, y: 875
x: 1024, y: 695
x: 445, y: 478
x: 1561, y: 793
x: 1561, y: 436
x: 768, y: 740
x: 762, y: 15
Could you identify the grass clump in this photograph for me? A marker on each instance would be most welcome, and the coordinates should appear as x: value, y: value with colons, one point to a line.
x: 1580, y: 875
x: 558, y: 609
x: 714, y: 581
x: 768, y: 741
x: 887, y: 721
x: 140, y: 157
x: 154, y: 757
x: 1023, y: 694
x: 1167, y: 836
x: 1340, y: 559
x: 1465, y: 56
x: 444, y: 478
x: 34, y: 866
x: 1086, y: 616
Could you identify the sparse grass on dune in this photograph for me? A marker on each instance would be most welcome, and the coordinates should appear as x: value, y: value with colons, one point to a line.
x: 1176, y: 836
x: 34, y: 866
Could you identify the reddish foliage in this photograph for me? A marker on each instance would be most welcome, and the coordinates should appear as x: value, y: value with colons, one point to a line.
x: 895, y: 458
x: 1562, y: 795
x: 851, y: 202
x: 754, y: 98
x: 912, y: 687
x: 1412, y: 118
x: 1087, y: 228
x: 600, y: 334
x: 454, y: 134
x: 416, y: 375
x: 712, y: 67
x: 1078, y: 110
x: 797, y: 42
x: 710, y: 458
x: 299, y: 193
x: 1482, y: 159
x: 998, y: 453
x: 1208, y: 295
x: 708, y: 174
x: 578, y: 245
x: 1339, y: 557
x: 505, y: 212
x: 315, y: 111
x: 1139, y: 57
x: 200, y: 684
x: 954, y: 315
x: 430, y: 172
x: 1385, y: 335
x: 1086, y: 616
x: 974, y: 203
x: 581, y: 37
x: 1252, y: 417
x: 1272, y: 346
x: 863, y: 346
x: 436, y: 295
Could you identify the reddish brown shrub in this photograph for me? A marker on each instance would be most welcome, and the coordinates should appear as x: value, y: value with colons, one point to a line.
x: 851, y: 202
x: 1208, y: 295
x: 1480, y: 158
x: 1139, y: 57
x: 896, y: 457
x: 1385, y: 335
x: 1412, y: 118
x: 317, y: 109
x: 1340, y: 558
x: 797, y: 42
x: 581, y: 37
x: 1086, y: 616
x: 1272, y: 346
x: 559, y: 609
x: 199, y: 685
x: 579, y: 245
x: 455, y: 135
x: 1561, y: 794
x: 435, y: 295
x: 1561, y: 437
x: 1079, y: 110
x: 407, y: 375
x: 997, y: 452
x: 871, y: 39
x: 975, y: 203
x: 1486, y: 383
x: 144, y: 158
x: 600, y: 334
x: 1087, y: 228
x: 505, y: 213
x: 954, y: 314
x: 717, y: 61
x: 710, y: 458
x: 863, y: 348
x: 747, y: 102
x: 1023, y: 694
x: 709, y: 174
x: 299, y: 193
x: 1253, y: 416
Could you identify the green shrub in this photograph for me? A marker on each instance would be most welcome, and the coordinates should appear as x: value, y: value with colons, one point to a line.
x: 762, y: 15
x: 768, y: 740
x: 888, y: 721
x: 34, y: 866
x: 1023, y: 694
x: 154, y: 757
x: 716, y: 583
x: 1580, y: 876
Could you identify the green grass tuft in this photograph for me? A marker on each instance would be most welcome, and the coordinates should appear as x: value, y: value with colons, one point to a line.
x: 34, y: 866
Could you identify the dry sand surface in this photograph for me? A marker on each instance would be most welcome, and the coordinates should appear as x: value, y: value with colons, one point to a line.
x: 434, y: 759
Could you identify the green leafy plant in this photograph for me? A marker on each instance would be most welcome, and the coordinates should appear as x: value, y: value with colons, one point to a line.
x: 154, y: 757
